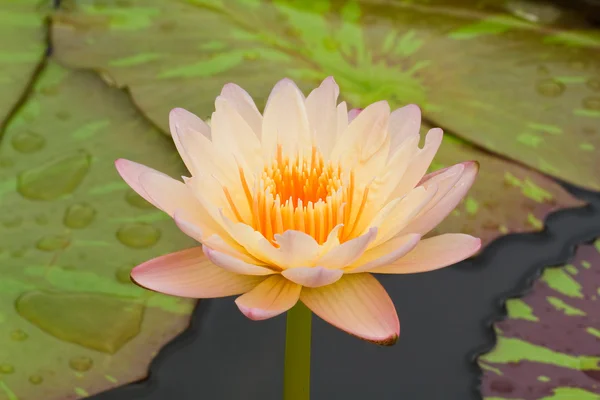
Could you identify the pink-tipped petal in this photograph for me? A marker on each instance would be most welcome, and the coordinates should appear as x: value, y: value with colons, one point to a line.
x: 233, y: 264
x: 404, y: 123
x: 426, y: 221
x: 245, y: 106
x: 130, y: 171
x: 313, y: 276
x: 189, y: 273
x: 357, y: 304
x: 353, y: 113
x: 273, y: 296
x: 347, y: 252
x: 434, y: 253
x: 385, y: 253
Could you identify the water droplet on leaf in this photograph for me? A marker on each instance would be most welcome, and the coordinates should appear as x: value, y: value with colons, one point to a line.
x: 550, y: 88
x: 63, y: 115
x: 138, y: 235
x: 54, y: 179
x: 6, y: 369
x: 79, y: 215
x: 28, y: 142
x: 53, y: 242
x: 36, y: 379
x: 12, y: 221
x: 81, y: 364
x: 136, y: 200
x: 18, y: 335
x: 591, y: 103
x: 123, y: 274
x: 95, y: 321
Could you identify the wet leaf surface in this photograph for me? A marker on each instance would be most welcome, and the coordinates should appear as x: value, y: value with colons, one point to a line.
x: 71, y: 322
x: 549, y: 345
x: 22, y: 48
x: 518, y: 79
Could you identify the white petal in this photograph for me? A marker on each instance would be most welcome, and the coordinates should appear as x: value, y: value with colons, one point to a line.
x: 296, y: 249
x: 313, y: 276
x: 404, y: 123
x: 348, y: 252
x: 321, y: 108
x: 245, y: 106
x: 285, y: 121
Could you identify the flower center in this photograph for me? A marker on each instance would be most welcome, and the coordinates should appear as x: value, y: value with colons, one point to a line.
x: 301, y: 193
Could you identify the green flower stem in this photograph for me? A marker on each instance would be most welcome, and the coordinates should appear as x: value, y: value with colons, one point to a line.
x: 296, y: 378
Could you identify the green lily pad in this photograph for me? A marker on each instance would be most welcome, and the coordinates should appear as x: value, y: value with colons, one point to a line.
x: 72, y: 323
x: 505, y: 198
x: 527, y: 90
x: 548, y: 346
x: 22, y: 49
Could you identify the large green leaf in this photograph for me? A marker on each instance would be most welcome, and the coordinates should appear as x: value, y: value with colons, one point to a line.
x: 548, y: 346
x: 22, y: 49
x: 529, y: 91
x: 73, y: 324
x: 506, y: 197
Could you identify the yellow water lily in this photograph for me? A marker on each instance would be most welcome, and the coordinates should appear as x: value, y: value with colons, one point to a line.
x: 304, y: 203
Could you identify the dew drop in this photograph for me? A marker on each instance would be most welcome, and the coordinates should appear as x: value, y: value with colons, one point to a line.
x: 54, y: 179
x: 19, y: 335
x: 36, y: 379
x: 53, y: 242
x: 81, y: 364
x: 79, y: 215
x: 6, y: 162
x: 591, y: 103
x: 138, y: 235
x: 18, y: 253
x: 593, y: 84
x: 41, y: 219
x: 6, y: 369
x: 550, y: 88
x: 63, y: 115
x: 251, y: 55
x: 123, y: 274
x: 66, y: 316
x: 28, y: 142
x: 12, y: 221
x: 136, y: 200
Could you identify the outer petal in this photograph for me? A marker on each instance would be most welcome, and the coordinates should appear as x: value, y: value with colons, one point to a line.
x: 189, y: 273
x: 353, y: 113
x: 167, y: 193
x: 274, y: 296
x: 426, y: 221
x: 285, y: 121
x: 190, y: 134
x: 357, y: 304
x: 233, y: 264
x: 321, y: 108
x: 342, y: 119
x: 434, y: 253
x: 404, y: 123
x: 130, y: 171
x: 313, y: 276
x: 385, y: 253
x: 245, y: 106
x: 348, y: 252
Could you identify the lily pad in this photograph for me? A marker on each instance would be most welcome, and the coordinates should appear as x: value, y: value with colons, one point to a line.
x: 22, y: 49
x: 527, y: 90
x: 71, y: 322
x: 505, y: 198
x: 549, y: 345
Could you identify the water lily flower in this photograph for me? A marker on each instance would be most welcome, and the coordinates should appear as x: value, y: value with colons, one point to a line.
x: 304, y: 203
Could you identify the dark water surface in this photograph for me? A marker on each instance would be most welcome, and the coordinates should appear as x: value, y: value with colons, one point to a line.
x: 445, y: 322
